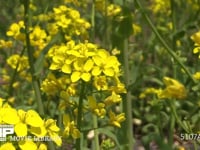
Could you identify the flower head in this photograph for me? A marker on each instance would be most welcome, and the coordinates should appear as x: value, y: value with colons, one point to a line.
x: 174, y: 89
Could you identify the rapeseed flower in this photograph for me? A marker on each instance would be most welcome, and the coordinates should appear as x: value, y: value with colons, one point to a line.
x: 197, y: 75
x: 82, y: 70
x: 113, y: 10
x: 27, y: 145
x: 6, y: 44
x: 70, y: 127
x: 29, y: 118
x: 104, y: 63
x: 7, y: 146
x: 97, y: 108
x: 15, y: 31
x: 113, y: 99
x: 116, y: 119
x: 100, y: 83
x: 48, y: 129
x: 174, y: 89
x: 8, y: 115
x: 160, y: 6
x: 196, y: 38
x: 21, y: 62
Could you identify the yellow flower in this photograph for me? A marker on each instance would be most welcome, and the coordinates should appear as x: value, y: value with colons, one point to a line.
x: 6, y: 44
x: 196, y: 38
x: 52, y: 131
x: 136, y: 29
x: 70, y: 128
x: 8, y: 114
x: 197, y: 75
x: 27, y: 145
x: 15, y: 32
x: 49, y: 128
x: 29, y: 118
x: 21, y: 62
x: 119, y: 87
x: 63, y: 21
x: 113, y: 10
x: 61, y: 60
x: 150, y: 91
x: 7, y: 146
x: 104, y: 63
x: 116, y: 119
x: 112, y: 99
x: 51, y: 85
x: 97, y: 108
x: 82, y: 70
x: 174, y: 89
x: 42, y: 147
x: 160, y: 6
x: 100, y: 82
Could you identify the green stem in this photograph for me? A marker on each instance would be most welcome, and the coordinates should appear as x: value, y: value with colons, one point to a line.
x: 96, y: 134
x: 93, y: 21
x: 178, y: 120
x: 35, y: 81
x: 127, y: 104
x: 172, y: 126
x: 174, y: 47
x: 80, y: 112
x: 169, y: 50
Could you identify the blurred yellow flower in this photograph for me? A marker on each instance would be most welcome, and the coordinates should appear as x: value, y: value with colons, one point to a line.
x: 15, y: 31
x: 7, y: 146
x: 174, y: 89
x: 196, y: 38
x: 21, y: 62
x: 197, y: 75
x: 42, y: 147
x: 27, y: 145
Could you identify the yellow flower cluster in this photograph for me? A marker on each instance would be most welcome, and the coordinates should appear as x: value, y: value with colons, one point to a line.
x: 107, y: 9
x: 194, y: 4
x: 83, y: 61
x: 160, y: 6
x: 67, y: 20
x: 19, y: 62
x: 90, y: 64
x: 196, y: 38
x: 29, y: 129
x: 174, y: 89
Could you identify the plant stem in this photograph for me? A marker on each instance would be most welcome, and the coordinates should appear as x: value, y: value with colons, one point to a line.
x: 173, y: 110
x: 172, y: 125
x: 80, y: 111
x: 127, y: 104
x: 35, y: 81
x: 93, y: 21
x: 169, y: 50
x: 96, y: 135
